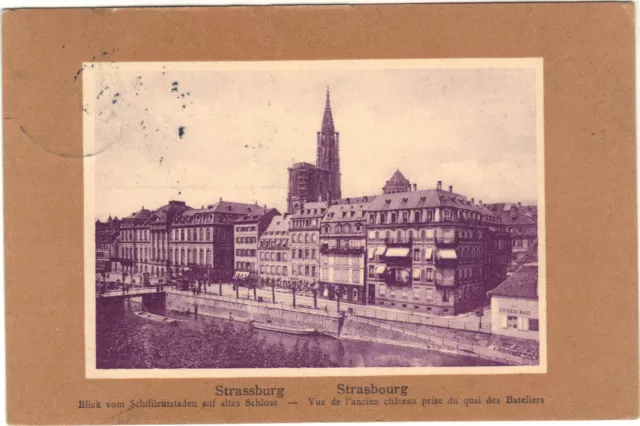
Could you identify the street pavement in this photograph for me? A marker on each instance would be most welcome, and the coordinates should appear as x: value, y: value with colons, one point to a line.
x: 284, y: 297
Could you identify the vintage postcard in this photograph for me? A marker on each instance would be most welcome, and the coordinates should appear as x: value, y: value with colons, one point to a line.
x: 314, y: 218
x: 320, y: 214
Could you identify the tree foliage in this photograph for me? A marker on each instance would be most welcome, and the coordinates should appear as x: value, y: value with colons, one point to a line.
x: 132, y: 344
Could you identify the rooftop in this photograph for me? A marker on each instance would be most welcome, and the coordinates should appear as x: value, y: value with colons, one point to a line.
x: 422, y: 199
x: 256, y: 215
x: 279, y: 226
x: 346, y: 213
x: 523, y: 284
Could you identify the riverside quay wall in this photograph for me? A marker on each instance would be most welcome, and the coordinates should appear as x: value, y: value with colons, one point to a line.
x: 246, y: 310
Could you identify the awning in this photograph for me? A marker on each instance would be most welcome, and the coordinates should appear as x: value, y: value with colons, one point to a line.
x: 236, y: 275
x: 380, y: 269
x: 380, y: 251
x: 372, y: 251
x: 416, y: 272
x: 428, y: 254
x: 430, y: 234
x: 397, y: 252
x: 447, y: 254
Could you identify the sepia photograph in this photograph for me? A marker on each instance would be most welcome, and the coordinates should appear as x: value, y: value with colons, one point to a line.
x: 314, y: 218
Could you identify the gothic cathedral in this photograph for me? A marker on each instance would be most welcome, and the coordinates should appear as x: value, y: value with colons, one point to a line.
x: 320, y: 182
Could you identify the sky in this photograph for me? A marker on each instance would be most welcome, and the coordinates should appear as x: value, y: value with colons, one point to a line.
x: 200, y: 135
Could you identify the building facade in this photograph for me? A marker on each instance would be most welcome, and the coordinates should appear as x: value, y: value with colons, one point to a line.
x: 322, y: 181
x: 343, y: 244
x: 247, y: 232
x: 273, y: 251
x: 203, y: 238
x: 521, y: 223
x: 426, y: 251
x: 304, y: 232
x: 134, y: 239
x: 107, y: 238
x: 176, y: 238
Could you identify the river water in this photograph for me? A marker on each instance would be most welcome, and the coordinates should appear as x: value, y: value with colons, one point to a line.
x: 346, y: 353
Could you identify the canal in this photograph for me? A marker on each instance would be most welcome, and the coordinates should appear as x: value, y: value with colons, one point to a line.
x: 205, y: 342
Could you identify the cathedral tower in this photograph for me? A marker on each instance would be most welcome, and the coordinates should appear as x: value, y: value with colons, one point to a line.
x: 328, y: 153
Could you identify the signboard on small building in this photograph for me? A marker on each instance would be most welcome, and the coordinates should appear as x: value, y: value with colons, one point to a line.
x: 514, y: 305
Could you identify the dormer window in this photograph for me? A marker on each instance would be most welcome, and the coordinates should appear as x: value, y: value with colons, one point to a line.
x: 404, y: 200
x: 388, y: 202
x: 423, y: 199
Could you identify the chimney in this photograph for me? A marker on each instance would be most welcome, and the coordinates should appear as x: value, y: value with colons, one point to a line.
x: 439, y: 187
x: 220, y: 198
x: 450, y: 188
x: 415, y: 187
x: 319, y: 197
x: 480, y: 203
x: 265, y: 206
x: 519, y: 204
x: 329, y: 200
x: 473, y: 201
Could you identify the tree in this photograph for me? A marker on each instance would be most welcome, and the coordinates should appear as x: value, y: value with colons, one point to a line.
x: 294, y: 285
x: 315, y: 288
x: 273, y: 283
x: 338, y: 291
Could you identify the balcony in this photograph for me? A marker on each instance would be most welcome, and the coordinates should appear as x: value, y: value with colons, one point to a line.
x: 399, y: 242
x: 342, y: 250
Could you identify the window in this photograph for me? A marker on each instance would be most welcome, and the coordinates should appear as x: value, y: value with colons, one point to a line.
x: 512, y: 322
x: 371, y: 269
x: 383, y: 218
x: 313, y: 271
x: 313, y: 253
x: 306, y: 270
x: 445, y: 295
x: 293, y: 254
x: 372, y: 218
x: 306, y: 253
x: 405, y: 217
x: 417, y: 216
x: 394, y: 218
x: 416, y: 255
x: 533, y: 324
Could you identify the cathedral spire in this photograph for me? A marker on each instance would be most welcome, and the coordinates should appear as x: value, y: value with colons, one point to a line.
x: 327, y: 119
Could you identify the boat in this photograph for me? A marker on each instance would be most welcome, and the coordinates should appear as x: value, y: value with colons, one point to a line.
x: 155, y: 318
x: 282, y: 328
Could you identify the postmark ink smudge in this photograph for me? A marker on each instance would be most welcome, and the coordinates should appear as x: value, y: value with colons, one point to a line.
x: 174, y: 86
x: 181, y: 131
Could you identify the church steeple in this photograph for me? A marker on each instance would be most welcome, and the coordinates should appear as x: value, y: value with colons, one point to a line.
x: 328, y: 153
x: 327, y: 119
